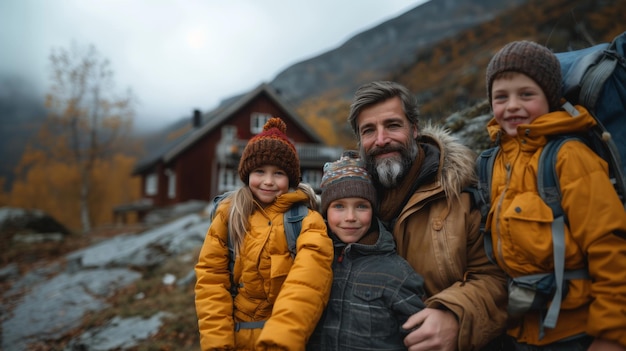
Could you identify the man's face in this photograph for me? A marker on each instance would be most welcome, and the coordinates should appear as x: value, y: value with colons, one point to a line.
x: 387, y: 141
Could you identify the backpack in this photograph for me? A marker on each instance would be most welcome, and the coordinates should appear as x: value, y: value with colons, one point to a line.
x: 292, y: 223
x: 594, y: 77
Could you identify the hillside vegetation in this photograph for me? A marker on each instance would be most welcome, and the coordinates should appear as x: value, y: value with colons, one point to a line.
x: 449, y: 76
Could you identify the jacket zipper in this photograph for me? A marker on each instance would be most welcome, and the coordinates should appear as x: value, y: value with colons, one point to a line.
x: 340, y: 257
x: 498, y: 213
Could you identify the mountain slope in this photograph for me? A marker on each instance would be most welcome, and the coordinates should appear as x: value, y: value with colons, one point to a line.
x: 448, y: 75
x: 379, y: 51
x: 21, y: 114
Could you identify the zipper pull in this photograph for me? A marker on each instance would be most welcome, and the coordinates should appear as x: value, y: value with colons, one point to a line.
x: 340, y: 258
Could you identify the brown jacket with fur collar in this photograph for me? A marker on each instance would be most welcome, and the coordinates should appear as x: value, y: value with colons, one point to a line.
x: 437, y: 231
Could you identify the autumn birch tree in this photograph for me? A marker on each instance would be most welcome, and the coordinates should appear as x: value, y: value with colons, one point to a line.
x: 87, y: 120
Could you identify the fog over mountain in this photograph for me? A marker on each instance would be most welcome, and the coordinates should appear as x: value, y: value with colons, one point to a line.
x: 416, y: 47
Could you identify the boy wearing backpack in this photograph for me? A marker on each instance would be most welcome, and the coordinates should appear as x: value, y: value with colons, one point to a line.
x: 524, y: 88
x: 278, y: 299
x: 374, y: 289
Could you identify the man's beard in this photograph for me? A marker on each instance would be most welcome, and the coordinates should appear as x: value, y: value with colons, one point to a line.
x: 391, y: 170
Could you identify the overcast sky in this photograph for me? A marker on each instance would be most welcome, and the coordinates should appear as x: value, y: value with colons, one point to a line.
x: 178, y: 55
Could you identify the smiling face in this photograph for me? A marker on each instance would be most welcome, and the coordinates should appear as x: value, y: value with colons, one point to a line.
x: 267, y: 183
x: 387, y: 140
x: 517, y: 99
x: 350, y: 218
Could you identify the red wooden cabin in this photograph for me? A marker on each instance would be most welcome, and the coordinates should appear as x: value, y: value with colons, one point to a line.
x: 203, y: 163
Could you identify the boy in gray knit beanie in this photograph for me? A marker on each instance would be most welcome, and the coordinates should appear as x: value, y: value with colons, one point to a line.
x: 374, y: 289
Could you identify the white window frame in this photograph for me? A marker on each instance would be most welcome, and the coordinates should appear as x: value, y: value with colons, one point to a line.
x: 312, y: 177
x: 171, y: 183
x: 227, y: 180
x: 229, y: 132
x: 152, y: 184
x: 257, y: 121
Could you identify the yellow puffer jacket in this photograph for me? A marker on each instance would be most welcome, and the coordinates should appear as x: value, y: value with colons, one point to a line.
x: 520, y: 222
x: 289, y: 294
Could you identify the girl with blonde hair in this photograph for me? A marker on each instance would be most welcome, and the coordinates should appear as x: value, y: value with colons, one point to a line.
x: 278, y: 298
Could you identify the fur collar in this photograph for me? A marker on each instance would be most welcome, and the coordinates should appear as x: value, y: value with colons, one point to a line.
x: 457, y: 161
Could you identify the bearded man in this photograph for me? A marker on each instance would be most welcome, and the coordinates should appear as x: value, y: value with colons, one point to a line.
x: 420, y: 176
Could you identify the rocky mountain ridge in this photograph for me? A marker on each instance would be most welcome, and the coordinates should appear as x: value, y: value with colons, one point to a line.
x: 385, y: 48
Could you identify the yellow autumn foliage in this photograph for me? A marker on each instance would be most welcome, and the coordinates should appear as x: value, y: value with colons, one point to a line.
x: 50, y: 186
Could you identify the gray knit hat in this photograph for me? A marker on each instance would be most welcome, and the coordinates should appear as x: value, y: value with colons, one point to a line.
x: 346, y: 177
x: 533, y: 60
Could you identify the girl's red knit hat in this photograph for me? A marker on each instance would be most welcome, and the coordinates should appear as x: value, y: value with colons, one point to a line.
x: 271, y: 147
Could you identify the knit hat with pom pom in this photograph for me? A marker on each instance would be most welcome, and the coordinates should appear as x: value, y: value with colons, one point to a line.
x: 271, y: 147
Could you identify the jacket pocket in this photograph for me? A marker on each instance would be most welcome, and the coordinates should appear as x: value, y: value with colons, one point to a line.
x: 369, y: 314
x: 527, y: 234
x: 279, y: 269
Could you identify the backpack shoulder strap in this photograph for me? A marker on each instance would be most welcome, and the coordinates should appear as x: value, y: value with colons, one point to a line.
x: 550, y: 191
x: 214, y: 205
x: 484, y: 170
x: 216, y: 202
x: 547, y: 178
x: 293, y: 225
x: 231, y: 266
x: 231, y: 248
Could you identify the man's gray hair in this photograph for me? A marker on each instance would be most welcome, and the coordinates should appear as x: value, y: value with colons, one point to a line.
x: 378, y: 91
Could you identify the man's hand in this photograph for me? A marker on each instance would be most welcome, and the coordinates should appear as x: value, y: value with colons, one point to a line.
x: 432, y: 329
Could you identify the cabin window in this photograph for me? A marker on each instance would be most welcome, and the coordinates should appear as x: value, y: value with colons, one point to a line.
x: 228, y: 179
x: 312, y: 177
x: 171, y: 183
x: 152, y: 184
x: 229, y: 132
x: 257, y: 121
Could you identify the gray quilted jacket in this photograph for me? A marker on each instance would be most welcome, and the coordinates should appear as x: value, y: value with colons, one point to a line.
x: 374, y: 292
